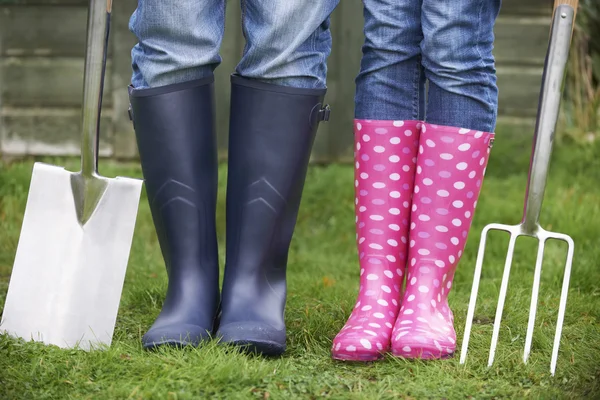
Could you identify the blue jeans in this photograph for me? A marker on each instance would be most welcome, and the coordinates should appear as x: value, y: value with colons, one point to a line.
x: 446, y: 43
x: 287, y: 41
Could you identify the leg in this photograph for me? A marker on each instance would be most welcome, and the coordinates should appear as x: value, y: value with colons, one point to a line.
x: 177, y: 41
x: 391, y: 82
x: 450, y: 168
x: 388, y: 105
x: 287, y: 42
x: 457, y: 56
x: 175, y: 130
x: 276, y: 106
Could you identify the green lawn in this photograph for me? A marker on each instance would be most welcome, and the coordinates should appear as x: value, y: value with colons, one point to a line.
x: 323, y: 275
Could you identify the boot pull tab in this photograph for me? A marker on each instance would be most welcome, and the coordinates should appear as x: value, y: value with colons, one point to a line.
x: 324, y: 113
x: 129, y: 108
x: 130, y: 112
x: 319, y: 113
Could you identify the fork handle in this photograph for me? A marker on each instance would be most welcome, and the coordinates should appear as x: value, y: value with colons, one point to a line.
x: 573, y: 3
x: 548, y: 110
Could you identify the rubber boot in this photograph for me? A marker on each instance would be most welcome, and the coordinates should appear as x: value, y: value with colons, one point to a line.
x: 175, y: 130
x: 450, y: 170
x: 272, y: 130
x: 385, y: 160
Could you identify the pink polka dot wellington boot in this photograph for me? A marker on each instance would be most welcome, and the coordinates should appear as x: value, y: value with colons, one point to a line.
x: 450, y: 169
x: 385, y: 157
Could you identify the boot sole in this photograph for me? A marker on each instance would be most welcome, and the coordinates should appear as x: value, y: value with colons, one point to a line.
x: 265, y: 348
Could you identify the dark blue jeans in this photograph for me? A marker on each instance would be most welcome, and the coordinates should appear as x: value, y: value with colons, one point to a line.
x: 446, y: 42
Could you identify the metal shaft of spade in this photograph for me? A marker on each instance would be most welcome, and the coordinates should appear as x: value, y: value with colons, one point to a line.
x: 88, y: 187
x: 97, y: 43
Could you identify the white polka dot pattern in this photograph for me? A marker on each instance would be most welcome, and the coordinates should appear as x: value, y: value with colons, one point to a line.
x: 385, y: 165
x: 452, y: 170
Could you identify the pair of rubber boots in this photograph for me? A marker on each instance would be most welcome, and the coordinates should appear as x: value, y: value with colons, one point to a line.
x: 416, y: 186
x: 272, y: 130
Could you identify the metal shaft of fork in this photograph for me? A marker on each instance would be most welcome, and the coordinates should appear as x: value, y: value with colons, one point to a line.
x: 547, y: 118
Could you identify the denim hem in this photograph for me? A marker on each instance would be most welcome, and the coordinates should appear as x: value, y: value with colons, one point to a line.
x: 239, y: 80
x: 155, y: 91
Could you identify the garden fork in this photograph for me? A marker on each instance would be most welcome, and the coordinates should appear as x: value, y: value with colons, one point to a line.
x: 550, y: 96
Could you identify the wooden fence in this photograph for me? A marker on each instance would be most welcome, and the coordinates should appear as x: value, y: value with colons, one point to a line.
x: 42, y: 45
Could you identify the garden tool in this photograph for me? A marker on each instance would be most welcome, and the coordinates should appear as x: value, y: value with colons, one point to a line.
x: 551, y: 91
x: 77, y: 230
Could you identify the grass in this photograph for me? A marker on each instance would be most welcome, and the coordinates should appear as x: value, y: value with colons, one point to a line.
x: 322, y: 287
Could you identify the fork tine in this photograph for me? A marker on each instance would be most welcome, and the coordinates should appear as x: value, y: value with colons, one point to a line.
x: 474, y: 290
x: 503, y: 289
x: 563, y: 299
x: 534, y: 299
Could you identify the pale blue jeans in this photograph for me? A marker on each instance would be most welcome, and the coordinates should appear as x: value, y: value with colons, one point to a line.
x: 287, y: 41
x: 447, y: 43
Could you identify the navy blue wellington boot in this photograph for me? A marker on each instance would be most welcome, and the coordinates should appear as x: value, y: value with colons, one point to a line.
x: 272, y: 130
x: 175, y: 131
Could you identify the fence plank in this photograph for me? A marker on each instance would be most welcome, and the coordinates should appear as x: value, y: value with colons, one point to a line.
x: 45, y: 82
x: 29, y: 3
x: 519, y: 90
x: 46, y: 131
x: 346, y: 53
x: 231, y: 51
x: 43, y: 31
x: 526, y: 7
x: 521, y: 40
x: 121, y: 42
